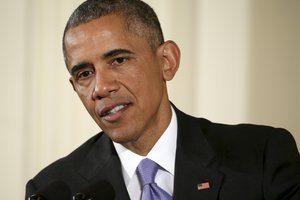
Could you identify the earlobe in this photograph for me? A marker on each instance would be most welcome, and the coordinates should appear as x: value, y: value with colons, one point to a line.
x: 171, y: 59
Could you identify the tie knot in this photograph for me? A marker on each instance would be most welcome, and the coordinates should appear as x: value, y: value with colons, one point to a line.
x: 147, y: 170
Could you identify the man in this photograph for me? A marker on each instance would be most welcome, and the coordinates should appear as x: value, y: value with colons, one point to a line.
x: 119, y: 64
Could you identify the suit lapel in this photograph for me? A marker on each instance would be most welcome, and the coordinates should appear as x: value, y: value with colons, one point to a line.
x: 102, y: 163
x: 196, y: 175
x: 195, y: 163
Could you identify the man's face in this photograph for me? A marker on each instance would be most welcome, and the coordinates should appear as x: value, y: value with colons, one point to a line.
x: 119, y: 79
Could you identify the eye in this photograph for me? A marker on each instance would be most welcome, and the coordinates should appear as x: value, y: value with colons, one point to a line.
x: 119, y: 61
x: 84, y: 74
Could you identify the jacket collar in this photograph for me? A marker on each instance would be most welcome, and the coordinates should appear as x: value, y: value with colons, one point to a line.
x: 195, y: 162
x: 103, y: 163
x: 196, y: 175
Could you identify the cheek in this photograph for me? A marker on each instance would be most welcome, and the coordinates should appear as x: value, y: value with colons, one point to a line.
x: 136, y: 81
x: 84, y: 91
x: 85, y: 95
x: 148, y: 85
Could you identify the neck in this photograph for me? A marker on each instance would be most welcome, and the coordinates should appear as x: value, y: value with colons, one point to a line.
x: 143, y: 145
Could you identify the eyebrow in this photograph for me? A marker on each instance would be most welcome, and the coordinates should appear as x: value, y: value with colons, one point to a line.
x: 78, y: 67
x: 106, y: 55
x: 116, y: 52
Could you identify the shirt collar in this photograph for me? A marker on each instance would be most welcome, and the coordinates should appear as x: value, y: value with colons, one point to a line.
x: 163, y: 152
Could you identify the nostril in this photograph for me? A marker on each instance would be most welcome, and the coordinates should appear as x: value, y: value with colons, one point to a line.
x: 102, y: 92
x: 99, y: 98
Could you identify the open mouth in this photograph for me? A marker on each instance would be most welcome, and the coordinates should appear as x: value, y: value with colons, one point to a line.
x: 114, y: 110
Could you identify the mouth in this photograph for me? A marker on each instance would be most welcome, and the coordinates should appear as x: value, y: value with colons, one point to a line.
x: 111, y: 111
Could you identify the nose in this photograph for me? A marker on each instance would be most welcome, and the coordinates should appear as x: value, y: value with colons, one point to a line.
x: 105, y: 84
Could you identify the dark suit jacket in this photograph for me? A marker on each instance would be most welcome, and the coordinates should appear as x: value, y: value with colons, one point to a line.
x: 240, y: 162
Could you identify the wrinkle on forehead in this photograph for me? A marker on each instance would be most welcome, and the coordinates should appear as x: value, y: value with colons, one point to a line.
x: 73, y: 36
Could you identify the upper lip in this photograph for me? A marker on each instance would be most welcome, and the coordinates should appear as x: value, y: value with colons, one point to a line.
x: 107, y: 108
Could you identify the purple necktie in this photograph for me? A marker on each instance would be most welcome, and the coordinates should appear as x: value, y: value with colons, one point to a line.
x: 146, y: 172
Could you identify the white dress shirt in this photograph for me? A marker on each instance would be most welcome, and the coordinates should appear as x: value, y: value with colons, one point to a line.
x: 163, y: 153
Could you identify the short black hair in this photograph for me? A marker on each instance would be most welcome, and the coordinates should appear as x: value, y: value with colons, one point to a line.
x: 139, y: 17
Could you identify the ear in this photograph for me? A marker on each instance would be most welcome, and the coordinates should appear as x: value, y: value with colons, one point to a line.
x: 72, y: 83
x: 170, y: 54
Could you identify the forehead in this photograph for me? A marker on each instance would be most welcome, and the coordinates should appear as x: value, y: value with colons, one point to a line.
x: 99, y: 36
x: 104, y: 27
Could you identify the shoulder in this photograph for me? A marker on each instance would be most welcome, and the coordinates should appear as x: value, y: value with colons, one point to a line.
x: 246, y: 154
x: 246, y: 134
x: 234, y: 134
x: 66, y: 168
x: 248, y: 138
x: 241, y: 141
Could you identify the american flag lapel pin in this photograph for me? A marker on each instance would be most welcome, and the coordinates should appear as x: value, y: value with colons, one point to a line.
x: 203, y: 186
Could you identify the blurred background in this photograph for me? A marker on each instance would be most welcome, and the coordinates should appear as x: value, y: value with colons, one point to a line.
x: 240, y: 63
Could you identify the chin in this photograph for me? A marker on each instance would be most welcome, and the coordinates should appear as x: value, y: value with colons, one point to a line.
x: 121, y: 138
